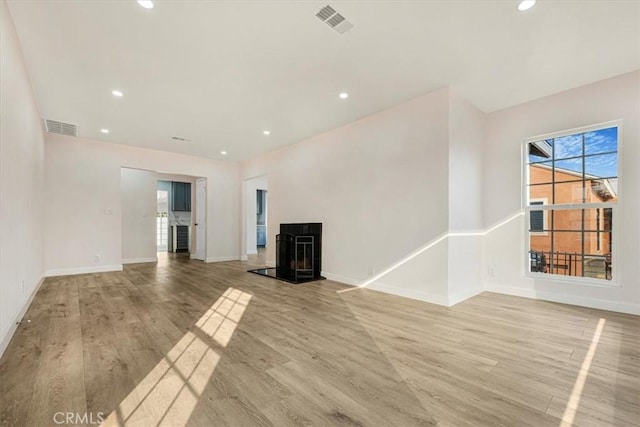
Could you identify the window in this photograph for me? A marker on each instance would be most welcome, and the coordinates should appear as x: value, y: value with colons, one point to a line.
x: 571, y: 190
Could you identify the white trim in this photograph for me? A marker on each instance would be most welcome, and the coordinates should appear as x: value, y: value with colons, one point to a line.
x: 571, y: 206
x: 582, y: 129
x: 341, y: 279
x: 465, y: 233
x: 82, y: 270
x: 252, y: 252
x: 621, y: 307
x: 244, y: 258
x: 139, y: 260
x: 464, y: 295
x: 222, y: 259
x: 400, y: 292
x: 410, y: 293
x: 13, y: 326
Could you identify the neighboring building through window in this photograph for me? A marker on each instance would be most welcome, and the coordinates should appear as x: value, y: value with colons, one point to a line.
x: 572, y: 192
x: 537, y: 221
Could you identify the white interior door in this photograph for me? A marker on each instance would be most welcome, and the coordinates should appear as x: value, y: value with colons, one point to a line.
x: 201, y: 219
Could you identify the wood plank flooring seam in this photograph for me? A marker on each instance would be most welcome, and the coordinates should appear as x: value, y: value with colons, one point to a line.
x: 305, y: 355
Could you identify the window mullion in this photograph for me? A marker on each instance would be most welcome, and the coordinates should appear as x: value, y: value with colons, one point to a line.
x: 553, y: 198
x: 572, y: 206
x: 584, y: 200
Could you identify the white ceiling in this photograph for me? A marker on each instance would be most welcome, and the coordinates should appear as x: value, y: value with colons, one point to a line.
x: 220, y: 72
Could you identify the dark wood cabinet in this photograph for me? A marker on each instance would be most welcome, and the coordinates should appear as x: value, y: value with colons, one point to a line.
x: 181, y: 238
x: 181, y: 196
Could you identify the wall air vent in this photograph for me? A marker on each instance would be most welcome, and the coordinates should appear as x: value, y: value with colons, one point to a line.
x: 333, y: 19
x: 54, y: 126
x: 179, y: 138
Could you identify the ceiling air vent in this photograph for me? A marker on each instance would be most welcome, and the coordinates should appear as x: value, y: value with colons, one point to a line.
x: 54, y: 126
x: 325, y: 13
x: 179, y: 138
x: 329, y: 16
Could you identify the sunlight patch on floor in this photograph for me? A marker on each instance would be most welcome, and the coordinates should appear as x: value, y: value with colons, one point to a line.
x: 170, y: 392
x: 222, y: 318
x: 574, y: 400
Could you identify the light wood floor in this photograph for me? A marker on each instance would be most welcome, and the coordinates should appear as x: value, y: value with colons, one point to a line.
x: 183, y: 342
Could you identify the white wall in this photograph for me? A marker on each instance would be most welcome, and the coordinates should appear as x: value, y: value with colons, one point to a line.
x: 251, y: 218
x: 82, y: 195
x: 466, y: 135
x: 612, y: 99
x: 21, y: 184
x: 139, y: 205
x: 379, y: 186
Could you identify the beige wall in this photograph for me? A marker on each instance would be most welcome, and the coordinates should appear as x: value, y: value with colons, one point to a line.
x: 21, y: 185
x: 372, y: 184
x: 138, y: 190
x: 388, y: 189
x: 83, y: 196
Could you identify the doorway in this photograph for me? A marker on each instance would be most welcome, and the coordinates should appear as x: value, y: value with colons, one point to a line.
x: 261, y: 219
x: 177, y: 217
x: 160, y: 215
x: 256, y: 215
x: 162, y: 221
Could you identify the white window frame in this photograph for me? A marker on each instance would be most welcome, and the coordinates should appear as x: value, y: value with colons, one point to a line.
x: 615, y: 207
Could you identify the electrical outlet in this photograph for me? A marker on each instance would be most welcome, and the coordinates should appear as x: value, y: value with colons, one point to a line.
x: 490, y: 272
x: 96, y: 258
x: 22, y: 286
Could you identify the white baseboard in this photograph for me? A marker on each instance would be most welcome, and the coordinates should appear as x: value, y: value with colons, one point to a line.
x: 194, y: 256
x: 222, y: 258
x: 406, y: 293
x: 410, y: 293
x: 621, y: 307
x: 252, y: 252
x: 139, y: 260
x: 244, y: 258
x: 464, y: 295
x: 6, y: 339
x: 342, y: 279
x: 82, y: 270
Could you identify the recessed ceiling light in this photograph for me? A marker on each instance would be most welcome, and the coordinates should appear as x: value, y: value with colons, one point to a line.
x: 344, y: 95
x: 224, y: 153
x: 147, y: 4
x: 526, y: 5
x: 104, y: 130
x: 267, y: 132
x: 117, y: 93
